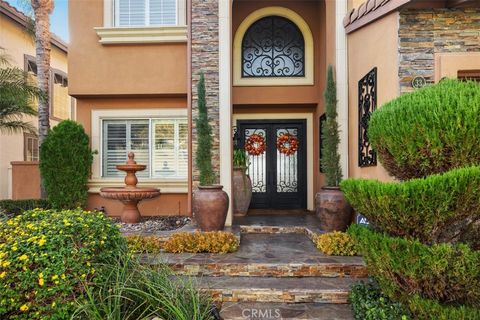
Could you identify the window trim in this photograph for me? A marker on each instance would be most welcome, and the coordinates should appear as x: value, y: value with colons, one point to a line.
x: 109, y: 34
x: 295, y: 18
x: 97, y: 181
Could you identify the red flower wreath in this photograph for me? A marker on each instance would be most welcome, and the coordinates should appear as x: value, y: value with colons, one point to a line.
x: 287, y: 144
x: 255, y: 145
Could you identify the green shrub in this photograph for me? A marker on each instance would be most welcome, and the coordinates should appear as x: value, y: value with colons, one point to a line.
x: 432, y: 310
x: 438, y: 208
x: 132, y: 291
x: 11, y: 208
x: 213, y: 242
x: 44, y: 255
x: 431, y: 130
x: 336, y: 243
x: 65, y: 162
x: 368, y: 303
x: 448, y: 273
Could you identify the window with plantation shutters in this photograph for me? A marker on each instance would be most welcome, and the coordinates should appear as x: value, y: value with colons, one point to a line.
x: 119, y: 138
x: 161, y: 144
x: 170, y: 157
x: 135, y: 13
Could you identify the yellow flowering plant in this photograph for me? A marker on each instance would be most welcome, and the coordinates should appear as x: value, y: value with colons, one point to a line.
x: 45, y: 256
x: 212, y: 242
x: 336, y: 243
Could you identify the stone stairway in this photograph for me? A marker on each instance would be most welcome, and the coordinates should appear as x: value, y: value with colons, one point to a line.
x: 277, y: 273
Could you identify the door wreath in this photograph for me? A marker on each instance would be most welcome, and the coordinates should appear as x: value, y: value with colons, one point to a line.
x: 287, y: 144
x: 255, y: 145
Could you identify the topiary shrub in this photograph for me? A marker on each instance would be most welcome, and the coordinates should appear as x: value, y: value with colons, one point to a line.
x: 336, y: 243
x: 212, y: 242
x: 447, y: 273
x: 11, y: 208
x: 65, y: 162
x: 430, y: 130
x: 44, y: 257
x: 368, y: 303
x: 438, y: 208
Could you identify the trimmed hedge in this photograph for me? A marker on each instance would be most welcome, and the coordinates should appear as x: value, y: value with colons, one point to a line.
x: 368, y: 303
x: 65, y: 163
x: 448, y: 273
x: 11, y: 208
x: 430, y: 130
x: 432, y: 310
x: 45, y: 256
x: 438, y: 208
x: 212, y: 242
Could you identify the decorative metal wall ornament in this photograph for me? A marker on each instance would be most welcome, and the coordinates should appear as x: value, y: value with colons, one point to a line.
x: 287, y: 144
x: 273, y: 47
x: 367, y: 103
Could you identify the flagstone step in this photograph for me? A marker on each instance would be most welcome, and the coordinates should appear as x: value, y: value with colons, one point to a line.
x: 267, y: 289
x: 285, y: 311
x: 265, y: 255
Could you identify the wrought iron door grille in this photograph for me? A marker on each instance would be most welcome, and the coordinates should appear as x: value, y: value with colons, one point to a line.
x: 273, y: 47
x: 367, y: 103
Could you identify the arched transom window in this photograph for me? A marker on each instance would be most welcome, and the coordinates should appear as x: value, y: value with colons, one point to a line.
x: 273, y: 46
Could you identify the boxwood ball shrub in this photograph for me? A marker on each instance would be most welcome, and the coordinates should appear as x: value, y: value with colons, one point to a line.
x: 446, y: 273
x: 430, y: 130
x: 439, y: 208
x: 336, y: 243
x: 45, y: 256
x: 65, y: 162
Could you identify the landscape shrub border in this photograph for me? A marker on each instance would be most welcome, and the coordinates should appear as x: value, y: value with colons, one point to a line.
x: 438, y: 208
x: 197, y: 242
x: 447, y: 273
x: 336, y: 243
x: 10, y: 208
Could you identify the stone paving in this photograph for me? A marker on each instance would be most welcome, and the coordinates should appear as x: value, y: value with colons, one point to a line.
x: 285, y: 311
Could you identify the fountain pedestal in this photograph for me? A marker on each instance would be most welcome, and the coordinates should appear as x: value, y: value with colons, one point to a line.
x: 130, y: 195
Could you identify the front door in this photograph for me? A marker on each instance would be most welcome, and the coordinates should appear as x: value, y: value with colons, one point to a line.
x: 277, y: 153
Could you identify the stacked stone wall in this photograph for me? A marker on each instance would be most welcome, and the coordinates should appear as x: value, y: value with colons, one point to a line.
x: 205, y: 58
x: 422, y: 33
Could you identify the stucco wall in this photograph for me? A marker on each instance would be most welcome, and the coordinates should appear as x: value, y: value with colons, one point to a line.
x: 425, y: 33
x: 17, y: 42
x: 374, y: 45
x: 98, y: 69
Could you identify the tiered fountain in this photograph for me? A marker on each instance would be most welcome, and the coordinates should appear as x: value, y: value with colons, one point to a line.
x: 130, y: 195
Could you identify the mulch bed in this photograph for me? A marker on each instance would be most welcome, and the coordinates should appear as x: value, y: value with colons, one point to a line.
x: 153, y: 224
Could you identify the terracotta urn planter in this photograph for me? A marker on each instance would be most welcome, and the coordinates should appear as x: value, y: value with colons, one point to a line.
x: 242, y: 191
x: 333, y: 210
x: 210, y: 207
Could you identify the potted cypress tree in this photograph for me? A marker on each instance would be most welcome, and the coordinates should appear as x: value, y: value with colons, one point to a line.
x: 210, y: 202
x: 242, y: 185
x: 332, y: 208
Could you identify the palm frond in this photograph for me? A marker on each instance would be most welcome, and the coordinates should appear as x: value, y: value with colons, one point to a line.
x: 16, y: 126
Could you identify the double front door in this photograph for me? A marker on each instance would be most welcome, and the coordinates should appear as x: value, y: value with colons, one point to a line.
x: 277, y: 162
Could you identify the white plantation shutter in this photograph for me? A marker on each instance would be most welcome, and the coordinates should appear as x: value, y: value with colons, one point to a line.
x: 146, y: 12
x: 119, y: 138
x: 170, y: 153
x: 163, y: 12
x: 131, y: 12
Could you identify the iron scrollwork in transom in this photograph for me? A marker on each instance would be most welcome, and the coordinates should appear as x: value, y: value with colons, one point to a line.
x: 273, y: 47
x: 367, y: 103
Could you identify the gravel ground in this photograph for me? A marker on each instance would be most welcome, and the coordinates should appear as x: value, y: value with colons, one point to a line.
x: 153, y: 224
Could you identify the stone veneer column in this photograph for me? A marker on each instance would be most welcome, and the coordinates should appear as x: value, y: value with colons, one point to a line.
x: 205, y: 58
x: 211, y: 48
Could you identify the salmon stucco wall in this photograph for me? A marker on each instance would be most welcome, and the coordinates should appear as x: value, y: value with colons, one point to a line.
x: 120, y: 69
x: 375, y: 45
